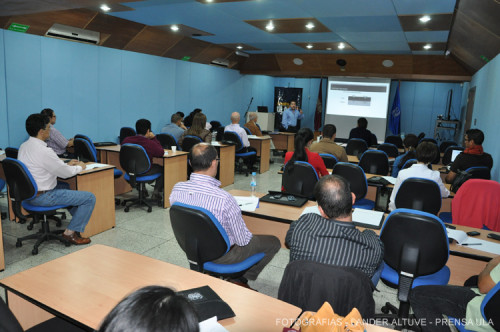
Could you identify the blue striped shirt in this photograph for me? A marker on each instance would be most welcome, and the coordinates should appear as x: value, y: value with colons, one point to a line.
x: 203, y: 191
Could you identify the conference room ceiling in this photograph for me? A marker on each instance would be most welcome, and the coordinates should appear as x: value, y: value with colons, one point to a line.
x: 314, y: 33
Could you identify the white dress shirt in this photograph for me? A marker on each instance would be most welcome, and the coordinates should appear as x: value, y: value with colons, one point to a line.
x: 240, y: 131
x: 44, y: 164
x: 417, y: 171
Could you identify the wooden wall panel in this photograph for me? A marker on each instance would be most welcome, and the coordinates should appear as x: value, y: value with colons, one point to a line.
x: 186, y: 47
x: 212, y: 52
x: 121, y: 31
x: 152, y: 41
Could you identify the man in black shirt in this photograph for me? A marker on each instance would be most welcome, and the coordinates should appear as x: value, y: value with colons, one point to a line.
x: 361, y: 132
x: 473, y: 155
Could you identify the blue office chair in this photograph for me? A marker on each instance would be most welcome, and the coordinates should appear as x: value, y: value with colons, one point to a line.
x: 135, y: 161
x: 22, y: 189
x: 203, y: 239
x: 167, y: 141
x: 445, y: 144
x: 446, y: 160
x: 299, y: 179
x: 394, y: 139
x: 390, y: 149
x: 479, y: 172
x: 357, y: 180
x: 356, y: 146
x: 419, y: 194
x: 374, y: 162
x: 409, y: 163
x: 189, y: 141
x: 248, y: 157
x: 11, y: 152
x: 247, y: 130
x: 126, y: 132
x: 329, y: 159
x: 415, y: 253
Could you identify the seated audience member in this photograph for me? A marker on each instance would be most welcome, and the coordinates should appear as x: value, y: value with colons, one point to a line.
x: 174, y: 128
x: 182, y: 120
x: 430, y: 303
x: 252, y: 124
x: 303, y: 140
x: 147, y: 139
x: 327, y: 144
x: 235, y: 126
x: 45, y: 167
x: 188, y: 120
x: 426, y: 152
x: 152, y: 309
x: 203, y: 190
x: 57, y: 141
x: 410, y: 144
x: 198, y: 129
x: 332, y: 238
x: 290, y: 117
x: 473, y: 155
x: 361, y: 132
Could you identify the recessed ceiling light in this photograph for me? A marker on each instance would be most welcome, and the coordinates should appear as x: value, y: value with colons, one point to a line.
x: 105, y: 8
x: 208, y: 0
x: 328, y: 48
x: 387, y: 63
x: 341, y: 46
x: 427, y: 46
x: 309, y: 46
x: 425, y: 19
x: 174, y: 28
x: 298, y: 61
x: 310, y: 25
x: 270, y: 26
x: 239, y: 47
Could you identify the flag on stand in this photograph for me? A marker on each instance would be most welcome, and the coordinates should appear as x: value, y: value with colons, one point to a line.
x: 395, y: 116
x: 318, y: 115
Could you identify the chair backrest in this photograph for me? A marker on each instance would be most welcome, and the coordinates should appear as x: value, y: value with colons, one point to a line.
x: 126, y: 132
x: 198, y: 233
x: 428, y: 139
x: 415, y: 242
x: 445, y: 144
x: 409, y: 163
x: 189, y: 141
x: 167, y: 140
x: 8, y: 322
x: 231, y: 137
x: 329, y: 159
x: 396, y: 140
x: 134, y: 160
x: 355, y: 176
x: 419, y: 194
x: 309, y: 284
x: 446, y: 160
x: 11, y: 152
x: 479, y: 172
x: 299, y: 179
x: 84, y: 150
x: 390, y: 149
x: 374, y: 162
x: 490, y: 305
x: 356, y: 146
x: 21, y: 184
x: 247, y: 130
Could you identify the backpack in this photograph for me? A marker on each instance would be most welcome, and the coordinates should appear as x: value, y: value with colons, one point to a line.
x: 460, y: 179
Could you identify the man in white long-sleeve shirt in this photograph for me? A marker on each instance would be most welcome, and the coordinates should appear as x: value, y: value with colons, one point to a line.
x: 45, y: 166
x: 235, y: 127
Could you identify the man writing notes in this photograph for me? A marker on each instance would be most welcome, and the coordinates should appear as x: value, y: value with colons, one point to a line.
x: 290, y: 117
x: 45, y: 166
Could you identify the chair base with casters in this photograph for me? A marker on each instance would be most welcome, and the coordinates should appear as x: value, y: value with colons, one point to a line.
x: 141, y: 188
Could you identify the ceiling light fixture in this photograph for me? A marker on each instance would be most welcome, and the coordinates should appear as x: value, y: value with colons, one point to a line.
x: 239, y: 47
x: 309, y: 46
x: 328, y: 48
x: 174, y: 28
x: 208, y: 0
x: 270, y: 26
x: 427, y: 46
x: 425, y: 19
x: 341, y: 46
x: 310, y: 25
x: 105, y: 8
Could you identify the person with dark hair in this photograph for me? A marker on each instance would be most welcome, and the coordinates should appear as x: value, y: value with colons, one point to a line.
x: 56, y: 141
x: 330, y: 237
x: 147, y: 139
x: 198, y: 128
x: 203, y: 190
x: 410, y: 143
x: 152, y: 309
x: 327, y: 144
x: 174, y: 128
x: 303, y: 140
x: 188, y: 120
x: 362, y: 132
x: 45, y: 167
x: 290, y: 117
x: 426, y: 153
x: 473, y: 155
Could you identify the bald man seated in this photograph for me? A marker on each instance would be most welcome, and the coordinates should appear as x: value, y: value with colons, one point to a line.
x: 235, y: 126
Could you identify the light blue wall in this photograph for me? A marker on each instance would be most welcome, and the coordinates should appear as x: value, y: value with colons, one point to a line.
x: 486, y: 109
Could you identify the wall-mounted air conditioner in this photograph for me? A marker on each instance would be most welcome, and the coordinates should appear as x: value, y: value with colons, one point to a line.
x: 71, y: 33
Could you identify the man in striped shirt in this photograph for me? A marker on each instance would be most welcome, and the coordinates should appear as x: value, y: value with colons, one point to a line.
x: 332, y: 238
x: 57, y: 141
x: 203, y: 190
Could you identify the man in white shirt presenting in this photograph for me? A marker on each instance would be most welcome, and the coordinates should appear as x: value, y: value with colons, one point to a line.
x: 45, y: 166
x: 235, y: 126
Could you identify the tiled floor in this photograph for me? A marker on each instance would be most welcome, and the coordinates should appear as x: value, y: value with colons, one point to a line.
x: 151, y: 234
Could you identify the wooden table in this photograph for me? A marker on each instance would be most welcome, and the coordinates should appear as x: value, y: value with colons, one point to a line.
x: 283, y: 141
x: 225, y: 173
x: 275, y: 219
x: 263, y: 146
x: 84, y: 286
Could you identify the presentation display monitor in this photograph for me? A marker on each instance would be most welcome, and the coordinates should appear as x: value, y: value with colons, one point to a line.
x: 349, y: 98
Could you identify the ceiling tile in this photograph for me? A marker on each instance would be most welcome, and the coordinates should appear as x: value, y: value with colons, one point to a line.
x: 438, y: 22
x: 339, y: 8
x: 409, y: 7
x: 420, y: 46
x: 385, y: 47
x: 362, y: 23
x: 290, y: 25
x: 325, y: 46
x: 373, y: 36
x: 427, y: 36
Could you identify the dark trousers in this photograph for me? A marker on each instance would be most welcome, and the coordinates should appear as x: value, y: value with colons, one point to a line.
x: 249, y: 161
x: 159, y: 181
x: 430, y: 303
x: 290, y: 129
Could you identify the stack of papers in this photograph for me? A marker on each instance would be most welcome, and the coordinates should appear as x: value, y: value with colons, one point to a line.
x: 95, y: 165
x: 253, y: 136
x: 247, y: 203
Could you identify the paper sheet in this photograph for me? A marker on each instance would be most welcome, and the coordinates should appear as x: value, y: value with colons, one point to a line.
x: 252, y: 136
x: 390, y: 179
x: 216, y: 143
x: 483, y: 245
x: 311, y: 209
x: 369, y: 217
x: 457, y: 235
x: 211, y: 325
x: 94, y: 165
x: 247, y: 203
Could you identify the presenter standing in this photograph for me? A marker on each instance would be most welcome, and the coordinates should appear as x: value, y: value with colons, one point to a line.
x: 290, y: 117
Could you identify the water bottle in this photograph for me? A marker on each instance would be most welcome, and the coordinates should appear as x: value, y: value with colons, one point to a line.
x: 214, y: 135
x: 253, y: 184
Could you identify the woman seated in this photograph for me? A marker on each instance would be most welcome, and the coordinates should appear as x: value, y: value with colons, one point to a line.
x: 303, y: 140
x: 410, y: 143
x: 426, y: 152
x: 198, y: 129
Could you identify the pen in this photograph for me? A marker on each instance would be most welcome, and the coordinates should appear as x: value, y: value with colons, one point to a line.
x: 472, y: 244
x: 243, y: 204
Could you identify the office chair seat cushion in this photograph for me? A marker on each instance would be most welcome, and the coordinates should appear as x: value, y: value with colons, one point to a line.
x: 117, y: 173
x: 35, y: 208
x: 364, y: 204
x: 446, y: 217
x: 441, y: 277
x: 246, y: 154
x: 233, y: 268
x: 144, y: 178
